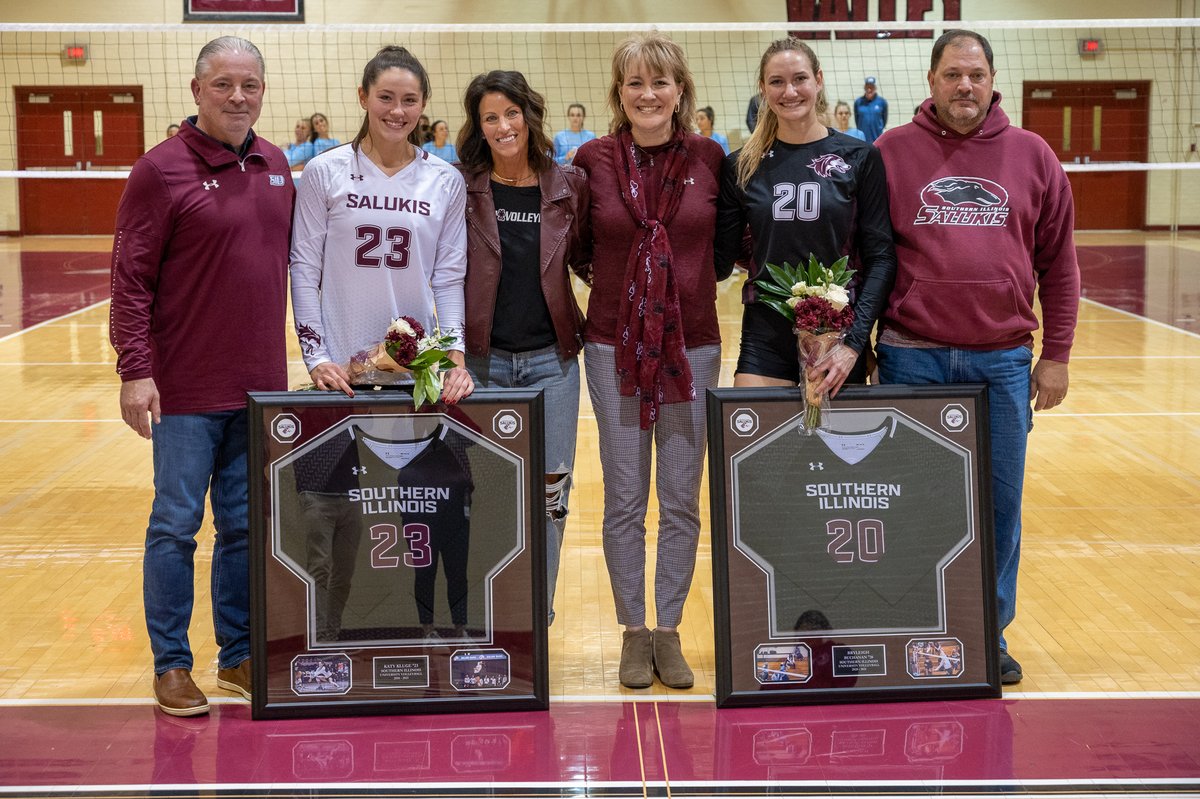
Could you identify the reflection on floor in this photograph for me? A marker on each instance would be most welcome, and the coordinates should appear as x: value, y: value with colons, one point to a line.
x: 39, y: 286
x: 1109, y: 604
x: 1158, y: 279
x: 615, y: 749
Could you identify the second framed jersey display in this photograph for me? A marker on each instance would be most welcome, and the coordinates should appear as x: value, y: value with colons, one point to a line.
x: 852, y: 563
x: 397, y: 556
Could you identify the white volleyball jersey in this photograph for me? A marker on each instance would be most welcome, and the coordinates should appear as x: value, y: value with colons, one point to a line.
x: 367, y: 248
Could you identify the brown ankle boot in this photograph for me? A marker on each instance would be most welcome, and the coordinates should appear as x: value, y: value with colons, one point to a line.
x: 669, y: 664
x: 637, y: 659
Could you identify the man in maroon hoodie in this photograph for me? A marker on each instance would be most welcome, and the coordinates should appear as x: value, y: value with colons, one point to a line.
x: 199, y: 282
x: 983, y: 217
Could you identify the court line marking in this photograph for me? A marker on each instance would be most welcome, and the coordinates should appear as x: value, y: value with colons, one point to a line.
x: 614, y: 698
x: 48, y: 322
x: 424, y: 787
x: 1143, y: 318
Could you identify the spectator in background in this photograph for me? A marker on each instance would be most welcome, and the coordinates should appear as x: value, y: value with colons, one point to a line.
x: 172, y: 130
x: 704, y: 121
x: 566, y: 142
x: 440, y: 145
x: 870, y: 111
x: 319, y: 136
x: 421, y: 132
x: 841, y: 120
x: 299, y: 150
x: 752, y: 112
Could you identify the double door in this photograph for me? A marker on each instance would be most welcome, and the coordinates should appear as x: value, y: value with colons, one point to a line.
x: 1096, y: 122
x: 75, y: 129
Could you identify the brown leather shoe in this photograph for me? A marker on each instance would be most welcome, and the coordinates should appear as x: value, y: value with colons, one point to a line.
x: 177, y: 695
x: 236, y: 679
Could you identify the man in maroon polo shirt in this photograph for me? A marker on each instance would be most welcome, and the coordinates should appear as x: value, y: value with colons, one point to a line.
x: 199, y: 281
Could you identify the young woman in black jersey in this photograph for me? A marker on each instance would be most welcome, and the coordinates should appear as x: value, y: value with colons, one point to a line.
x: 802, y: 188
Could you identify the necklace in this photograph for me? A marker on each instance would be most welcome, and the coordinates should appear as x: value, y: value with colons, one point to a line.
x: 642, y: 157
x: 511, y: 181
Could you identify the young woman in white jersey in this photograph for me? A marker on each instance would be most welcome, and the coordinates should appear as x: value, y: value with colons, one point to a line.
x: 803, y: 189
x: 379, y: 232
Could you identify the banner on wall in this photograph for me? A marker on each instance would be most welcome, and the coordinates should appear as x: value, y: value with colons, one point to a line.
x: 243, y: 10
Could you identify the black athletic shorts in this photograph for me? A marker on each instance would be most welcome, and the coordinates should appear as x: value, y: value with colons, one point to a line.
x: 769, y: 347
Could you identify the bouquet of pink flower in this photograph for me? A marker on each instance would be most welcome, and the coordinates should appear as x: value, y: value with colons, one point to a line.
x: 406, y: 348
x: 814, y: 298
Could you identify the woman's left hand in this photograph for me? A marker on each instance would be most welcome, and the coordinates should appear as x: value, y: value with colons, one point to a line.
x: 836, y: 366
x: 457, y: 382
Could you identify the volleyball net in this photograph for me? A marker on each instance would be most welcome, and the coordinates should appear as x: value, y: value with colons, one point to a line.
x: 1109, y: 95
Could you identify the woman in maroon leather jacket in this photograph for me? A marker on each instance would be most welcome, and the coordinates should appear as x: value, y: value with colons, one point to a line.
x: 524, y: 328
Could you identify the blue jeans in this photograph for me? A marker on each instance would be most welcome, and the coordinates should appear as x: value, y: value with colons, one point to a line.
x: 195, y: 454
x: 1007, y: 373
x: 559, y: 381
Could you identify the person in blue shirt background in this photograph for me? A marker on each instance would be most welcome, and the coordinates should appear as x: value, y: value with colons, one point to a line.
x: 870, y: 111
x: 841, y: 120
x: 319, y: 138
x: 705, y: 118
x: 300, y: 150
x: 441, y: 146
x: 566, y: 142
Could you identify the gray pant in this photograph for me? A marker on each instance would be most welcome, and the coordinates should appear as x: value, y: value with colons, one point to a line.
x: 679, y: 441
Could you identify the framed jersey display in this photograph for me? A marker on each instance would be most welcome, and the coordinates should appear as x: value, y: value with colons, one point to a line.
x: 853, y: 563
x: 397, y: 556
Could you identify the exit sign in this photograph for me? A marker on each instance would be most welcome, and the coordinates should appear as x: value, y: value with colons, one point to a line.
x: 1091, y: 46
x: 75, y: 54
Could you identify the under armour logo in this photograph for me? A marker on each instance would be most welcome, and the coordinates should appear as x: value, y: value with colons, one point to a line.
x: 355, y: 177
x: 816, y: 467
x: 211, y: 184
x: 359, y: 469
x: 689, y: 181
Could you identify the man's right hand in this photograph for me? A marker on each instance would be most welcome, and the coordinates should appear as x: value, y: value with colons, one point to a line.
x: 139, y: 398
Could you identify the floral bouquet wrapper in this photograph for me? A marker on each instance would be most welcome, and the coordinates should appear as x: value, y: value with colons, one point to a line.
x: 367, y: 365
x: 814, y: 298
x: 405, y: 349
x: 813, y: 347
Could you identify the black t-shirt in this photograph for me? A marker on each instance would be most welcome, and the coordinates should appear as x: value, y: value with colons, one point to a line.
x: 522, y: 320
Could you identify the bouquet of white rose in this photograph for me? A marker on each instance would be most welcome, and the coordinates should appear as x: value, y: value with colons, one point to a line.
x: 814, y: 298
x: 406, y: 348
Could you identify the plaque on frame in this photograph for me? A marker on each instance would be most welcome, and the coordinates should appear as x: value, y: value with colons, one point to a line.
x: 852, y: 563
x: 397, y: 556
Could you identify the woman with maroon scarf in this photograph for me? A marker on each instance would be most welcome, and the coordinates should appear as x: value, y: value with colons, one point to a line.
x: 651, y: 344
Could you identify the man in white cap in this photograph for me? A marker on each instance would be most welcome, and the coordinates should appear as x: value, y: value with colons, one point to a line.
x: 870, y: 110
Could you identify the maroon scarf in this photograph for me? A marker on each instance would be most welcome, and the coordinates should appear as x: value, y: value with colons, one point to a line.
x: 651, y: 357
